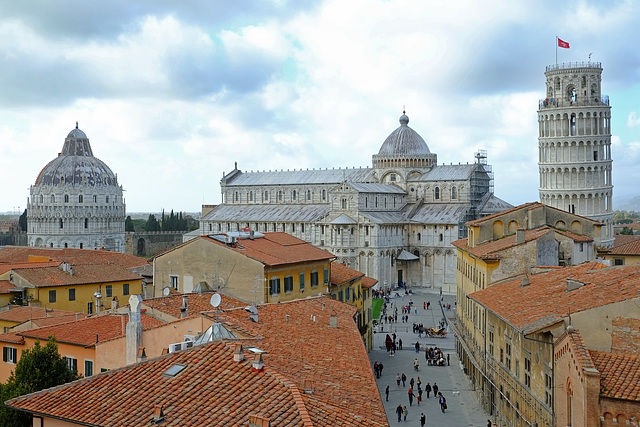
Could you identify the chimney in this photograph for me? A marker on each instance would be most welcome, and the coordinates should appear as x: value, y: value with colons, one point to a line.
x: 238, y: 353
x: 525, y: 281
x: 333, y: 320
x: 142, y: 354
x: 259, y: 421
x: 98, y: 297
x: 158, y: 415
x: 134, y: 329
x: 258, y: 364
x: 184, y: 310
x: 519, y: 236
x: 308, y: 386
x: 287, y: 318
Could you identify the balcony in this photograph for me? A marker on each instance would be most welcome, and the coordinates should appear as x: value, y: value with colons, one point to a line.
x: 555, y: 103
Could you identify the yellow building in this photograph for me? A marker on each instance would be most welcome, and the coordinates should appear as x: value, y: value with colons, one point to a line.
x: 625, y: 251
x: 252, y: 267
x: 353, y: 287
x: 517, y: 242
x: 84, y: 288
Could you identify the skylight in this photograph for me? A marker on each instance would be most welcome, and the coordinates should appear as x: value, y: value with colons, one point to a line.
x: 174, y: 370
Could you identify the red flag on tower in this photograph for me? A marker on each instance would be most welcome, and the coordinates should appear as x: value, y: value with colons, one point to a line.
x: 562, y: 43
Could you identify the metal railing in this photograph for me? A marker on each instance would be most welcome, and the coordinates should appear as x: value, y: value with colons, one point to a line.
x: 566, y: 65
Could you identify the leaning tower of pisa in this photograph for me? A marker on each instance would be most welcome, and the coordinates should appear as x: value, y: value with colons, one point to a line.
x: 575, y: 144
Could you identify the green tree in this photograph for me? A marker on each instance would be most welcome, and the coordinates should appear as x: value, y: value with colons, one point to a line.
x: 627, y: 230
x: 128, y: 224
x: 38, y: 368
x: 22, y: 221
x: 152, y: 223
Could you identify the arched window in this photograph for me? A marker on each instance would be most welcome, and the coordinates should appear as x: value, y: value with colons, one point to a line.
x: 436, y: 193
x: 41, y: 198
x: 454, y: 193
x: 95, y: 199
x: 419, y: 236
x: 279, y: 195
x: 53, y: 198
x: 344, y: 203
x: 66, y: 198
x: 293, y: 195
x: 308, y: 194
x: 86, y: 223
x: 324, y: 195
x: 266, y: 196
x: 251, y: 196
x: 80, y: 198
x: 107, y: 199
x: 61, y: 223
x: 235, y: 196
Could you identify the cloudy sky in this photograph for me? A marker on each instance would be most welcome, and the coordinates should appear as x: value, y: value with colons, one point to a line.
x: 171, y: 94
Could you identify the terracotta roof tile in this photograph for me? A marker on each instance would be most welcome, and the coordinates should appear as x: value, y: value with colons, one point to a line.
x: 630, y: 248
x: 620, y: 374
x: 6, y: 287
x: 277, y: 249
x: 492, y: 249
x: 11, y: 337
x: 479, y: 221
x: 340, y: 274
x: 546, y: 300
x: 23, y: 254
x: 21, y: 314
x: 621, y: 239
x: 213, y: 390
x: 82, y: 274
x: 368, y: 282
x: 89, y: 331
x: 196, y: 303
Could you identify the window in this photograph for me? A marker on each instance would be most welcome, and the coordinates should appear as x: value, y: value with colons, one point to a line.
x: 437, y: 193
x: 274, y: 285
x: 251, y: 196
x: 90, y: 308
x: 344, y: 203
x: 41, y: 198
x: 326, y: 276
x: 301, y: 282
x: 548, y: 397
x: 10, y: 354
x: 348, y: 294
x: 618, y: 261
x: 72, y: 363
x: 527, y: 371
x: 507, y: 359
x: 86, y: 223
x: 314, y: 279
x: 66, y: 198
x: 95, y: 199
x: 72, y: 294
x: 392, y: 177
x: 308, y: 194
x: 61, y: 223
x: 294, y: 195
x: 88, y: 368
x: 491, y: 343
x: 52, y: 296
x: 288, y: 284
x: 174, y: 282
x: 501, y: 355
x: 125, y: 289
x: 341, y: 296
x: 595, y: 154
x: 324, y: 195
x: 107, y: 199
x: 80, y: 198
x: 109, y: 291
x: 53, y: 198
x: 454, y: 193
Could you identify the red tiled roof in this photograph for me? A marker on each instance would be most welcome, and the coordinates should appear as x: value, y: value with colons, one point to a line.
x: 492, y: 249
x: 580, y: 350
x: 11, y: 337
x: 340, y: 274
x: 479, y: 221
x: 368, y: 282
x: 621, y: 239
x: 6, y: 287
x: 10, y: 266
x: 196, y: 303
x: 82, y: 274
x: 87, y: 332
x: 546, y: 300
x: 213, y: 390
x: 21, y: 314
x: 277, y: 249
x: 620, y: 374
x: 24, y: 254
x: 630, y: 248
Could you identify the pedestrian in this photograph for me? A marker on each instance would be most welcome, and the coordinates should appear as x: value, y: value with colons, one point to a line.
x: 375, y: 369
x: 424, y: 305
x: 418, y: 383
x: 489, y: 423
x: 404, y: 379
x: 435, y: 389
x: 405, y: 411
x: 398, y: 379
x: 427, y: 388
x: 428, y: 305
x: 417, y: 346
x: 386, y: 392
x: 380, y: 366
x: 399, y: 412
x: 394, y: 337
x: 400, y: 343
x: 443, y: 402
x: 448, y: 364
x: 419, y: 394
x: 388, y: 342
x: 412, y: 382
x: 423, y: 419
x: 411, y: 396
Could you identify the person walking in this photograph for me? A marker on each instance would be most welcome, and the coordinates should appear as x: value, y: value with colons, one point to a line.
x: 418, y: 383
x: 404, y: 380
x: 489, y: 424
x: 411, y: 396
x: 423, y: 419
x: 435, y: 390
x: 405, y: 411
x: 398, y: 379
x: 399, y: 412
x: 417, y: 346
x: 386, y: 392
x: 412, y: 382
x: 380, y: 366
x: 375, y: 369
x: 400, y: 343
x: 427, y: 388
x: 448, y: 356
x: 443, y: 402
x: 419, y: 394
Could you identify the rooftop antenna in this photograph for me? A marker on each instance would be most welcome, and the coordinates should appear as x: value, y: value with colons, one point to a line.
x: 590, y: 56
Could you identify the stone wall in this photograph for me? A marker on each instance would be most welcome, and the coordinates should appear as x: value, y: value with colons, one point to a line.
x: 149, y: 243
x: 14, y: 239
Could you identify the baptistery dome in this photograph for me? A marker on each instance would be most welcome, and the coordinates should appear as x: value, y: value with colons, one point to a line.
x: 76, y: 201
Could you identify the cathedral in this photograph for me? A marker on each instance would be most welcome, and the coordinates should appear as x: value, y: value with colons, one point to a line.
x: 76, y: 201
x: 393, y: 221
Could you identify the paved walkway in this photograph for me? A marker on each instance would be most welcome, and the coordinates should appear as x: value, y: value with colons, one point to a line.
x: 463, y: 408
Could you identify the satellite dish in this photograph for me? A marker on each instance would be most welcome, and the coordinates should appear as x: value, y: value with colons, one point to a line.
x: 166, y: 291
x: 215, y: 300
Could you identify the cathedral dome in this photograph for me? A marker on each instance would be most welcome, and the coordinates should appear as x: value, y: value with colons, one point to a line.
x: 404, y: 141
x: 76, y: 165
